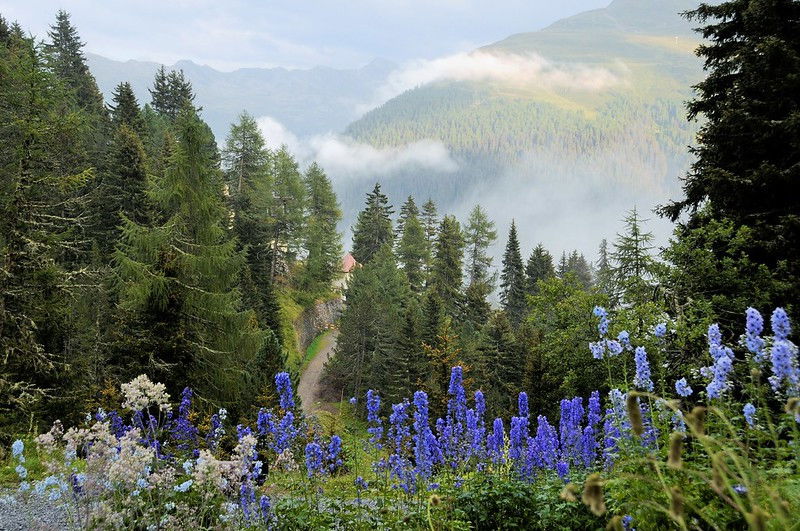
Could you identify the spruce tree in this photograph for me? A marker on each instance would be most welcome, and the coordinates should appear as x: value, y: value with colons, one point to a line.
x: 369, y: 329
x: 373, y: 227
x: 66, y: 60
x: 413, y: 252
x: 178, y: 281
x: 171, y: 93
x: 499, y: 350
x: 579, y: 266
x: 323, y: 243
x: 512, y: 280
x: 605, y: 272
x: 446, y: 270
x: 738, y: 246
x: 407, y: 210
x: 125, y: 110
x: 122, y: 189
x: 539, y: 267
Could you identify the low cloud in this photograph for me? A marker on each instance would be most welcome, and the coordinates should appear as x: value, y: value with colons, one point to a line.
x: 520, y: 70
x: 344, y: 157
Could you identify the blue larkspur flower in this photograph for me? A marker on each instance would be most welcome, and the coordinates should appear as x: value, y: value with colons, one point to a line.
x: 682, y: 387
x: 660, y: 330
x: 785, y: 372
x: 781, y: 327
x: 183, y: 487
x: 642, y: 378
x: 21, y: 471
x: 624, y: 339
x: 313, y: 458
x: 17, y: 448
x: 284, y: 385
x: 749, y: 412
x: 754, y: 328
x: 719, y: 381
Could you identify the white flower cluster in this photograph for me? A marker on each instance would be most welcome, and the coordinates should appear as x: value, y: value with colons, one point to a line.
x: 141, y: 392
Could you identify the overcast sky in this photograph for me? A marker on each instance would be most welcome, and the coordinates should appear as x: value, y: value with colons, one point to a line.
x: 292, y: 33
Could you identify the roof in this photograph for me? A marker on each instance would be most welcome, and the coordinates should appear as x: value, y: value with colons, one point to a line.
x: 348, y: 263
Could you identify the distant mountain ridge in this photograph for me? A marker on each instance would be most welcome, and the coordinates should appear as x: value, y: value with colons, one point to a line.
x: 308, y: 101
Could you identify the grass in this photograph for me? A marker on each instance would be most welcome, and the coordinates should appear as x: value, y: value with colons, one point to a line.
x: 314, y: 348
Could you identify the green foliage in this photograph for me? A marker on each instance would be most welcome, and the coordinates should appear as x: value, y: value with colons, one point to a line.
x: 413, y: 248
x: 539, y: 267
x: 179, y: 279
x: 373, y: 228
x: 512, y: 279
x: 447, y: 269
x: 747, y: 158
x: 323, y: 243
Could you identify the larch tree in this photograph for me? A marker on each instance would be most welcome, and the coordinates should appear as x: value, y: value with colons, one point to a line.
x: 323, y: 243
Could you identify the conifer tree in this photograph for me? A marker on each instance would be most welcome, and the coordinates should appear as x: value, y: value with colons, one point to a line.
x: 171, y: 93
x: 66, y: 59
x: 563, y: 265
x: 178, y: 280
x: 579, y: 266
x: 539, y: 267
x: 433, y: 318
x: 122, y: 190
x: 634, y: 265
x: 286, y: 207
x: 41, y: 139
x: 605, y: 273
x: 408, y: 368
x: 247, y: 182
x: 479, y: 236
x: 446, y: 270
x: 407, y: 210
x: 323, y: 243
x: 373, y: 227
x: 369, y: 328
x: 125, y: 110
x: 738, y: 246
x: 512, y: 280
x: 430, y: 222
x: 502, y: 357
x: 413, y: 252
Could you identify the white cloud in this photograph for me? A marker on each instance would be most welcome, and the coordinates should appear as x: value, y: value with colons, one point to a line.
x: 528, y: 70
x: 342, y: 156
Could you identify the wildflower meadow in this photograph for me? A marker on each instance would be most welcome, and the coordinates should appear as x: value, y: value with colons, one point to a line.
x: 719, y: 449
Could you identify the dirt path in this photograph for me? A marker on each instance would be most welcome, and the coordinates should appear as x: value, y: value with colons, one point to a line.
x: 309, y: 386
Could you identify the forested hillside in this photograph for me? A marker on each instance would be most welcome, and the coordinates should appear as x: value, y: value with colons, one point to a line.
x: 632, y: 129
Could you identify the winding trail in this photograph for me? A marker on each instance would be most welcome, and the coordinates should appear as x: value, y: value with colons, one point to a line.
x: 311, y: 380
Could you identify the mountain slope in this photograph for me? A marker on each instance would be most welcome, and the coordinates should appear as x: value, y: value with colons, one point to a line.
x: 308, y: 102
x: 626, y: 139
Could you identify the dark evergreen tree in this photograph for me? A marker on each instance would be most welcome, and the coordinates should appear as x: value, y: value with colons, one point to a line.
x: 409, y: 367
x: 743, y: 182
x: 373, y: 228
x: 539, y: 267
x: 605, y: 272
x: 479, y: 235
x: 407, y: 210
x: 171, y: 93
x: 446, y: 270
x: 413, y: 251
x: 65, y: 57
x: 178, y: 281
x: 512, y: 280
x: 122, y: 190
x: 125, y: 110
x: 323, y: 243
x: 369, y: 329
x: 504, y: 363
x: 42, y: 137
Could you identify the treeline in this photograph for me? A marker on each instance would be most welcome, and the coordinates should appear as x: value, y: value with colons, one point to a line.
x: 132, y: 244
x: 419, y: 304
